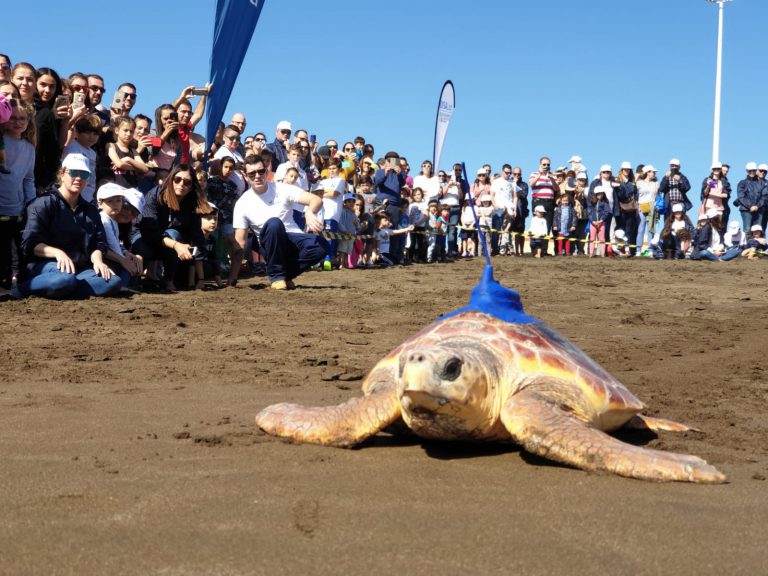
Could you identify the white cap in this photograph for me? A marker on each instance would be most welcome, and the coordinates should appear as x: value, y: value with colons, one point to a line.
x: 76, y: 162
x: 481, y: 171
x: 134, y: 198
x: 677, y: 207
x: 674, y: 162
x: 756, y: 228
x: 763, y: 167
x: 601, y: 190
x: 109, y: 190
x: 539, y: 208
x: 716, y: 165
x: 581, y: 176
x: 751, y: 166
x: 702, y: 218
x: 649, y: 168
x: 734, y: 227
x: 212, y: 205
x: 485, y: 198
x: 575, y: 159
x: 284, y: 125
x: 605, y: 168
x: 626, y: 165
x: 713, y: 213
x: 620, y: 234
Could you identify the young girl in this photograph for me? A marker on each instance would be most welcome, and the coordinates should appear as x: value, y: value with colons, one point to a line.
x: 125, y: 264
x: 366, y: 243
x: 126, y: 162
x: 87, y: 132
x: 564, y: 224
x: 348, y: 224
x: 468, y: 230
x: 6, y: 110
x: 734, y: 241
x: 707, y: 243
x: 417, y: 216
x: 17, y: 188
x: 485, y: 216
x: 538, y: 230
x: 384, y: 232
x: 756, y: 243
x: 581, y: 209
x: 599, y: 214
x: 675, y: 237
x: 647, y: 189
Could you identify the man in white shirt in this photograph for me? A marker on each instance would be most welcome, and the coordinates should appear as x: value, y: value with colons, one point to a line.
x: 267, y: 209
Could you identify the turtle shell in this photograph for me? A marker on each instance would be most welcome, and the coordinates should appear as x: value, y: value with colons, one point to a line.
x: 534, y: 352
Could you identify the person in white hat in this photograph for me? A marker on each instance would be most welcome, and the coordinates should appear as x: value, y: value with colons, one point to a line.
x: 675, y: 186
x: 610, y: 186
x: 647, y: 190
x: 629, y: 211
x: 707, y: 240
x: 715, y: 191
x: 576, y: 165
x: 751, y: 197
x: 544, y: 190
x: 279, y: 146
x: 64, y: 242
x: 734, y: 241
x: 675, y: 237
x: 756, y: 242
x: 539, y: 229
x: 111, y: 197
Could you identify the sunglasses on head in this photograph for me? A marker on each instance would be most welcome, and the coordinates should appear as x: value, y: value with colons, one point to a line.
x: 182, y: 180
x: 253, y: 173
x: 84, y: 174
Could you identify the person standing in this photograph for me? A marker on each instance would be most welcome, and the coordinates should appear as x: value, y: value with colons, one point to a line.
x: 751, y: 197
x: 609, y: 186
x: 647, y: 189
x: 389, y: 180
x: 675, y: 186
x: 279, y: 146
x: 544, y: 188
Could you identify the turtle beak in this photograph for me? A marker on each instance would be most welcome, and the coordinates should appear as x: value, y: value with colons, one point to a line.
x: 426, y: 377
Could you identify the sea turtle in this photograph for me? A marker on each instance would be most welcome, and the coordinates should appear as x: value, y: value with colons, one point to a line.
x: 490, y: 372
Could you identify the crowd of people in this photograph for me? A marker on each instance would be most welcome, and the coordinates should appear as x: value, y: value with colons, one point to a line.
x: 97, y: 200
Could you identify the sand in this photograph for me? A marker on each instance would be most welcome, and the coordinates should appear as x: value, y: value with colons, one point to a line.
x: 127, y: 443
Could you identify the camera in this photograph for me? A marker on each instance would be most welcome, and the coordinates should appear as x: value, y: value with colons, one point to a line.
x: 200, y: 91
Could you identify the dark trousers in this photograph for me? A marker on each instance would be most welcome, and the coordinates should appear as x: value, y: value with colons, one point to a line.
x: 10, y: 239
x: 630, y: 222
x: 497, y: 221
x: 396, y: 243
x: 288, y: 255
x: 418, y: 248
x: 453, y: 221
x: 549, y: 215
x: 580, y: 235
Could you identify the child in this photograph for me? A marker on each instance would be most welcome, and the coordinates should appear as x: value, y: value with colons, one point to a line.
x: 87, y: 132
x: 333, y: 187
x: 383, y: 233
x: 129, y: 267
x: 756, y: 244
x: 675, y: 237
x: 364, y: 245
x: 348, y: 224
x: 126, y: 162
x: 6, y: 111
x: 403, y: 221
x: 620, y: 244
x: 222, y: 192
x: 468, y: 230
x: 435, y: 233
x: 564, y: 224
x: 207, y: 264
x: 291, y: 176
x: 417, y: 216
x: 485, y: 215
x: 734, y: 241
x: 365, y: 187
x: 538, y: 230
x: 599, y: 212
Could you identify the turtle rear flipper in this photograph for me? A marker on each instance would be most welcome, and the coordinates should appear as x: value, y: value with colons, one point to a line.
x: 643, y: 422
x: 345, y: 425
x: 543, y: 428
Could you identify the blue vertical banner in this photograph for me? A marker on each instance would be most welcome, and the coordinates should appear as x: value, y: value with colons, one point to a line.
x: 232, y: 32
x: 445, y: 107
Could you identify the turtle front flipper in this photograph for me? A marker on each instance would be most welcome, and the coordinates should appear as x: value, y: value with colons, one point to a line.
x: 546, y: 429
x: 643, y: 422
x: 344, y: 425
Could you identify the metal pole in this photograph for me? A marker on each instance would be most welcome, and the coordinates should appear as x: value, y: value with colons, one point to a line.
x: 718, y: 84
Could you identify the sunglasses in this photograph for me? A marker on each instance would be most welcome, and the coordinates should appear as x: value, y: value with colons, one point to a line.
x: 545, y: 165
x: 129, y: 95
x: 84, y: 174
x: 232, y: 138
x: 78, y: 88
x: 181, y: 180
x: 348, y: 149
x: 333, y: 146
x: 95, y: 88
x: 253, y: 173
x: 285, y: 132
x: 516, y: 174
x: 260, y: 139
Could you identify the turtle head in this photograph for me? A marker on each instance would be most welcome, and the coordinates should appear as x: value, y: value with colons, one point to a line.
x: 449, y: 391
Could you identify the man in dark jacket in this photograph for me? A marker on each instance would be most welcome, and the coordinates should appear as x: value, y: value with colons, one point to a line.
x: 675, y: 186
x: 279, y: 147
x: 388, y: 181
x: 751, y: 197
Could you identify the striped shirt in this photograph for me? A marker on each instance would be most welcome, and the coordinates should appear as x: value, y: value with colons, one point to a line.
x: 542, y: 187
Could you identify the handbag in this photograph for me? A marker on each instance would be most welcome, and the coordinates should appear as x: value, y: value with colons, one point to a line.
x: 661, y: 205
x: 645, y: 207
x: 630, y: 206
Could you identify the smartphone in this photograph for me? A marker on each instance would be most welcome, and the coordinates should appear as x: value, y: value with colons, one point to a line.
x: 345, y: 164
x: 78, y: 100
x: 117, y: 102
x: 195, y: 251
x: 174, y: 116
x: 394, y: 162
x: 200, y: 91
x: 312, y: 138
x: 156, y: 142
x: 62, y: 100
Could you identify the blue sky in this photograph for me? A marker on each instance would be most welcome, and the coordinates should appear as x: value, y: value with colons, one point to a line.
x: 610, y: 81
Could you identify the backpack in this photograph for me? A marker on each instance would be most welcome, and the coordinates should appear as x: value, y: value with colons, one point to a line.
x: 661, y: 205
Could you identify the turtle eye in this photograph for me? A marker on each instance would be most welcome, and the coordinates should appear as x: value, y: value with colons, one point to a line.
x: 451, y: 370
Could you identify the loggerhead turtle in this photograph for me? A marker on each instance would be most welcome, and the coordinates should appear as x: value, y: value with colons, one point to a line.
x: 491, y: 372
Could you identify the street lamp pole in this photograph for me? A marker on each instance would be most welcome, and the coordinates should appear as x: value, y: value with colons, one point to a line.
x: 718, y: 81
